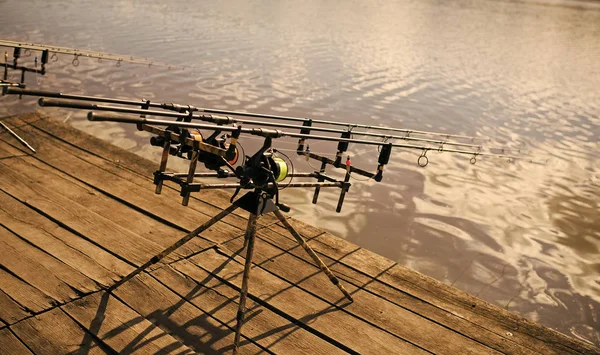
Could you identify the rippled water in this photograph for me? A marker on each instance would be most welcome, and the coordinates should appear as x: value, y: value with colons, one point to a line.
x: 524, y: 73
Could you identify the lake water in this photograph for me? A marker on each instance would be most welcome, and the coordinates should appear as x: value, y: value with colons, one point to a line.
x: 525, y: 74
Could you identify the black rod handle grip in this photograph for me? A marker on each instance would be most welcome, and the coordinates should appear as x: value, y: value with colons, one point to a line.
x: 65, y: 103
x: 92, y: 116
x: 28, y: 92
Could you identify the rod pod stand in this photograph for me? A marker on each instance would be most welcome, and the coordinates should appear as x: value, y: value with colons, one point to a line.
x: 258, y: 203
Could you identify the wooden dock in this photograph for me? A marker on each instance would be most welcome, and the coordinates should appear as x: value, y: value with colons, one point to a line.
x: 80, y: 214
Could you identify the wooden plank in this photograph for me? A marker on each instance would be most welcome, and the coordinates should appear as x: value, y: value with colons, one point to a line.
x: 10, y: 345
x: 89, y: 259
x: 175, y: 315
x: 306, y: 308
x: 495, y: 319
x: 121, y: 328
x: 98, y: 147
x: 128, y: 191
x: 54, y: 332
x: 42, y: 271
x: 32, y: 299
x: 4, y: 155
x: 63, y: 155
x: 10, y: 311
x: 262, y: 325
x: 104, y: 206
x: 280, y: 245
x: 371, y: 309
x: 77, y: 217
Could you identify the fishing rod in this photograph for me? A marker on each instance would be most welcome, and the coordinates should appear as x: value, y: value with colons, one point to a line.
x: 184, y: 120
x: 76, y: 53
x: 225, y: 120
x: 49, y: 53
x: 181, y: 109
x: 189, y: 108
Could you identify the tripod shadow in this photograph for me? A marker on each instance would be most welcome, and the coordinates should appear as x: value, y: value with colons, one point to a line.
x: 93, y: 338
x: 91, y: 333
x: 206, y: 344
x: 295, y: 324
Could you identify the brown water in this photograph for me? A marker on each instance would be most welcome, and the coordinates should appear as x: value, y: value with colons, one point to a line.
x: 524, y: 73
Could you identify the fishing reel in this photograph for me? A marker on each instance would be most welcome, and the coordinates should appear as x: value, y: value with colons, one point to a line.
x: 263, y: 171
x: 210, y: 161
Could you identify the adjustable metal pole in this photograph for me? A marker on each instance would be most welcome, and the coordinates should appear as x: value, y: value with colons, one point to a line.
x: 334, y: 280
x: 249, y: 238
x: 21, y: 140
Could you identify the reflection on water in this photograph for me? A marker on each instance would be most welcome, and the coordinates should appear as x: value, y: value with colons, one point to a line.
x: 524, y: 73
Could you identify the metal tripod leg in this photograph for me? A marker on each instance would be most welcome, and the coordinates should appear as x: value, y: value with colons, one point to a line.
x: 249, y: 237
x: 334, y: 280
x: 158, y: 257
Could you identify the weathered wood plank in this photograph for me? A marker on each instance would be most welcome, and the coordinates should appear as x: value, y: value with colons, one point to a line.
x: 42, y: 271
x: 32, y: 299
x: 284, y: 244
x: 89, y: 259
x: 63, y: 156
x: 3, y: 154
x: 495, y: 319
x: 385, y: 315
x: 131, y: 161
x: 262, y: 325
x: 54, y: 332
x: 10, y: 345
x: 10, y: 311
x: 133, y: 194
x: 198, y: 330
x: 106, y: 207
x: 321, y: 316
x: 121, y: 328
x: 77, y: 217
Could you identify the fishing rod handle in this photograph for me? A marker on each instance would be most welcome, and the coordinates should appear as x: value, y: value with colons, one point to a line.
x: 92, y: 116
x: 45, y: 102
x: 29, y: 92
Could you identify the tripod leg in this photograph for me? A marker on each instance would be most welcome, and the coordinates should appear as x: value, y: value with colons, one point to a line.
x: 250, y: 235
x: 334, y: 280
x: 158, y: 257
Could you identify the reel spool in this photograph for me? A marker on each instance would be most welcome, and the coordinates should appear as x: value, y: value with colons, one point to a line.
x: 235, y: 157
x: 279, y: 168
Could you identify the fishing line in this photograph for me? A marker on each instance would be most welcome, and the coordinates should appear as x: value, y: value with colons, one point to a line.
x: 291, y: 166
